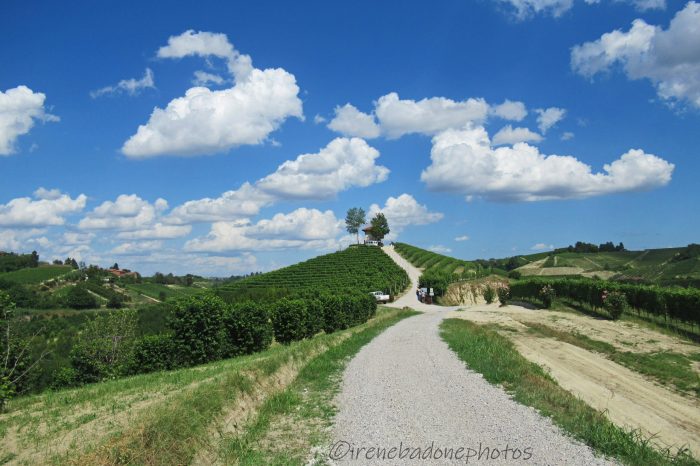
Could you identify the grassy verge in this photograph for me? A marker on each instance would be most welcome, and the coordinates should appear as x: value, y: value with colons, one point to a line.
x: 297, y: 419
x: 669, y: 368
x: 208, y: 409
x: 494, y: 356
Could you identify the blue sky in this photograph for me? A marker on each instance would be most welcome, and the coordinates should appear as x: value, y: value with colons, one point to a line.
x: 91, y: 170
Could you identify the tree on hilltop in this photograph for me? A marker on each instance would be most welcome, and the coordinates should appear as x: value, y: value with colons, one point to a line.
x: 354, y: 219
x: 379, y: 227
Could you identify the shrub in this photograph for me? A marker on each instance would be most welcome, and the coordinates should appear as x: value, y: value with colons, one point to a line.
x: 314, y: 308
x: 333, y: 316
x: 247, y: 328
x: 115, y: 302
x: 105, y: 346
x: 78, y: 297
x: 489, y: 294
x: 503, y: 295
x: 196, y: 323
x: 154, y: 353
x: 547, y: 295
x: 615, y: 303
x: 290, y: 320
x: 514, y: 274
x: 65, y: 377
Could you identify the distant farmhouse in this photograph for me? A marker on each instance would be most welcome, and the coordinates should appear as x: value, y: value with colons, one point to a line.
x: 123, y: 273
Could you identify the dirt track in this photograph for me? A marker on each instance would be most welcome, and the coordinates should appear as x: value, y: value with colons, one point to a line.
x: 628, y: 398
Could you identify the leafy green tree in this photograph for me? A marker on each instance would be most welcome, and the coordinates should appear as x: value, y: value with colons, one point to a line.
x: 15, y: 363
x: 78, y: 297
x: 380, y: 226
x: 105, y: 347
x: 354, y: 219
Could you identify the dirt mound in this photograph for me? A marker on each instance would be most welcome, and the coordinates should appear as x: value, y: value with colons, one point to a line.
x: 471, y: 292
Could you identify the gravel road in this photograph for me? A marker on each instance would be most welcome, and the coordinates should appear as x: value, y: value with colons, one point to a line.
x: 407, y: 390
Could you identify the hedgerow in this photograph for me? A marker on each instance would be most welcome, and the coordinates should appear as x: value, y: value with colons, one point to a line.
x: 681, y: 304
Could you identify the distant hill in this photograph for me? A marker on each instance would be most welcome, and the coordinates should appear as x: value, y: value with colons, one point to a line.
x: 667, y: 266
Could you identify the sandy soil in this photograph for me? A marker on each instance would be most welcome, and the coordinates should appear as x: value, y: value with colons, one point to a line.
x: 627, y: 397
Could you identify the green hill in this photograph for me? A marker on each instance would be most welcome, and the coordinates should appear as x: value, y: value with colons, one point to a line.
x: 358, y: 268
x: 34, y: 275
x: 668, y: 266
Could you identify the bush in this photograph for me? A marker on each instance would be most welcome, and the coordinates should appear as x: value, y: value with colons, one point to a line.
x: 514, y: 274
x: 78, y: 297
x: 333, y: 316
x: 290, y: 320
x: 115, y: 302
x: 105, y: 347
x: 615, y: 303
x: 547, y: 295
x: 489, y: 294
x: 65, y: 377
x: 503, y: 295
x: 196, y: 323
x: 247, y: 328
x: 154, y: 353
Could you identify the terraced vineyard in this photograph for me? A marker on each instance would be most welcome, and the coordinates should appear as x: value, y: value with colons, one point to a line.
x: 356, y: 269
x: 428, y: 260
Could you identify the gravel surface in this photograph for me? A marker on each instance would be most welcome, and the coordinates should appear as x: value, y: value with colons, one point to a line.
x: 407, y: 390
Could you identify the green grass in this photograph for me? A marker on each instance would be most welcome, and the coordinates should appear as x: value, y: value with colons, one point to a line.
x: 168, y: 417
x: 494, y: 356
x: 32, y: 276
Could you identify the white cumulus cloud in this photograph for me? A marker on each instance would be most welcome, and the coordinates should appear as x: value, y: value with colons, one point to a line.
x: 510, y: 135
x: 205, y: 121
x: 128, y: 212
x: 349, y: 121
x: 20, y: 108
x: 403, y: 211
x: 464, y: 161
x: 510, y: 110
x: 342, y: 164
x: 542, y: 247
x: 303, y: 228
x: 462, y: 238
x: 669, y: 58
x: 49, y: 207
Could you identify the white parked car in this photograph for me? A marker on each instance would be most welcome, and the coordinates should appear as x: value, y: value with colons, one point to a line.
x: 380, y: 296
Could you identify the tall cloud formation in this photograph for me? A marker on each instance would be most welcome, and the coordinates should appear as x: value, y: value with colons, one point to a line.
x: 464, y: 161
x: 20, y: 108
x: 205, y: 121
x: 669, y: 58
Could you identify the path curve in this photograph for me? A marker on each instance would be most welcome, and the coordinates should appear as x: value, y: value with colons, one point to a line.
x: 407, y: 389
